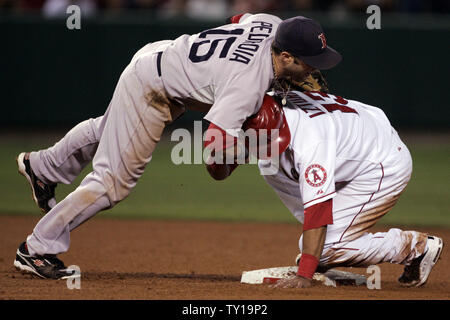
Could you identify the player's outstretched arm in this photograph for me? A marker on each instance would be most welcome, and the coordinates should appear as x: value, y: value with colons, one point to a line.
x: 317, y: 217
x: 313, y: 242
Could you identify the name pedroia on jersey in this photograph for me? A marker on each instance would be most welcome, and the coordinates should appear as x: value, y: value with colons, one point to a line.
x: 246, y: 50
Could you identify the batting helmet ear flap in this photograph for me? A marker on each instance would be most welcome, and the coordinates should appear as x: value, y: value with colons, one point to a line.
x: 271, y: 121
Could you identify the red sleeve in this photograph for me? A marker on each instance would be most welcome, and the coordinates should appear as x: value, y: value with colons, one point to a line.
x: 236, y: 18
x: 217, y: 139
x: 211, y: 142
x: 318, y: 215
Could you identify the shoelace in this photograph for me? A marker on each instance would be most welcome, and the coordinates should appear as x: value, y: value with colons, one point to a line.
x: 48, y: 190
x: 55, y: 261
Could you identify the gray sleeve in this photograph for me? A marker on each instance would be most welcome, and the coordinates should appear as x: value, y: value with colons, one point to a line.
x: 240, y: 97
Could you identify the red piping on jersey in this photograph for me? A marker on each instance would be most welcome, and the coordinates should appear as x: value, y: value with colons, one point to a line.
x: 227, y: 140
x: 318, y: 198
x: 371, y: 196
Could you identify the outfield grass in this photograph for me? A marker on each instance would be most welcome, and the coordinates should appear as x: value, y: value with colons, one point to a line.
x: 168, y: 191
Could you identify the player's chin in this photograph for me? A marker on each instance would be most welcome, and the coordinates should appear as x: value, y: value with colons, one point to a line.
x: 301, y: 76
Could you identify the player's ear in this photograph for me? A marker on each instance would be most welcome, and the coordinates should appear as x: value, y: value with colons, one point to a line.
x: 286, y: 58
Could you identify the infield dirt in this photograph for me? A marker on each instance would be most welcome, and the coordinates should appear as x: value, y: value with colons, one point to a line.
x: 189, y: 260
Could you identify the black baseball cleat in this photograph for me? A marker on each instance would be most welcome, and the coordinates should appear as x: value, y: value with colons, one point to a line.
x: 42, y: 193
x: 46, y: 266
x: 416, y: 273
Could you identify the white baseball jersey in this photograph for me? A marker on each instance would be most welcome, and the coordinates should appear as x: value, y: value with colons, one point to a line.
x: 228, y: 69
x: 333, y: 140
x: 346, y: 151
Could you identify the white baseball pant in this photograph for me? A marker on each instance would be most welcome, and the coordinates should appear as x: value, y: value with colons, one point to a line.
x: 359, y: 205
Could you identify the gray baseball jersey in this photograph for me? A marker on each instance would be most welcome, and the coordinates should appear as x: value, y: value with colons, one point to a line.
x: 227, y: 69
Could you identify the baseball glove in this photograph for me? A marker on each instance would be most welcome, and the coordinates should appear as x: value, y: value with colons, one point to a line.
x: 314, y: 82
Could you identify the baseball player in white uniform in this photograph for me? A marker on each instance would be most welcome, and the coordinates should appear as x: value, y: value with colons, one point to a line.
x: 342, y: 169
x: 223, y: 72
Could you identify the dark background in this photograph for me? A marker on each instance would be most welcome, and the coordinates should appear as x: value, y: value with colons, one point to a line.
x: 54, y: 77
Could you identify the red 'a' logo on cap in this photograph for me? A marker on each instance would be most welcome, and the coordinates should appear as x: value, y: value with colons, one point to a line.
x: 324, y: 41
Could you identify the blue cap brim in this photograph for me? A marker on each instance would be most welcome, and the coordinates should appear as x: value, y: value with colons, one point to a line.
x: 328, y: 59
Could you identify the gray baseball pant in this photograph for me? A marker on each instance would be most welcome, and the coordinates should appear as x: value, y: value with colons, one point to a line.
x: 120, y: 144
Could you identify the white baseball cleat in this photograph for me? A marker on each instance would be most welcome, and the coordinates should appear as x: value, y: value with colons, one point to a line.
x: 416, y: 274
x: 297, y: 259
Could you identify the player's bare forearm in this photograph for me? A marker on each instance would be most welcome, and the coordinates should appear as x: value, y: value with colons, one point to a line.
x: 314, y: 240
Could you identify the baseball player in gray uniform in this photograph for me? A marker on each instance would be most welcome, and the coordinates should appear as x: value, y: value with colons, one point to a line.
x: 342, y: 167
x: 223, y: 72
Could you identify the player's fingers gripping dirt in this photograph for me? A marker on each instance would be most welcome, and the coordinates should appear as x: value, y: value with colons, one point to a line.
x: 294, y: 282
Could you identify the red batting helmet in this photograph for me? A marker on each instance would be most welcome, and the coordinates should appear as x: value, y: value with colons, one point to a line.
x: 270, y: 116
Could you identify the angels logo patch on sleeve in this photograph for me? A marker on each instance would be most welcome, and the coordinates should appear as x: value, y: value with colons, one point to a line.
x: 315, y: 175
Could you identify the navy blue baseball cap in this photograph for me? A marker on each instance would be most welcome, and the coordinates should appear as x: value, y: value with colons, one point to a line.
x: 304, y: 38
